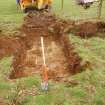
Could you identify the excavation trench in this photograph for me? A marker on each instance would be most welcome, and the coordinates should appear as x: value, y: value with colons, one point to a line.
x: 61, y: 59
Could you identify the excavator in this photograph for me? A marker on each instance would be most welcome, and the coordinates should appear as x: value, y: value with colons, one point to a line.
x: 27, y: 5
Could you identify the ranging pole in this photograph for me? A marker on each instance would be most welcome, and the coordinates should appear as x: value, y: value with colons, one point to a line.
x: 43, y: 53
x: 44, y: 83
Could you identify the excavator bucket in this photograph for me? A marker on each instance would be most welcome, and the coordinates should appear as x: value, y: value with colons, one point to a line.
x: 34, y: 4
x: 44, y: 4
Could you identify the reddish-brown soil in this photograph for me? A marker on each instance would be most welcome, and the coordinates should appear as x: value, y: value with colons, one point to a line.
x: 61, y: 59
x: 89, y: 29
x: 9, y: 46
x: 101, y: 27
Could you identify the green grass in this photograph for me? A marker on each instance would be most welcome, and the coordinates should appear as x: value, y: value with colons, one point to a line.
x: 91, y: 87
x: 11, y: 17
x: 72, y: 11
x: 89, y: 91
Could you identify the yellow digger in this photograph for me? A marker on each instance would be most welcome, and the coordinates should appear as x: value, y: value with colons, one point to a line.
x: 34, y: 4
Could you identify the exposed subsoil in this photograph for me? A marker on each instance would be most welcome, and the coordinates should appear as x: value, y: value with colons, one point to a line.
x: 61, y: 58
x: 9, y: 45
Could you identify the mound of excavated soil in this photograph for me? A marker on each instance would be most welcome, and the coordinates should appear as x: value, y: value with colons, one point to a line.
x: 9, y: 46
x: 89, y: 29
x: 61, y: 58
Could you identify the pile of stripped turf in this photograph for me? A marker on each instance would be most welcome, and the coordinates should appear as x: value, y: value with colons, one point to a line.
x: 90, y: 29
x: 61, y: 58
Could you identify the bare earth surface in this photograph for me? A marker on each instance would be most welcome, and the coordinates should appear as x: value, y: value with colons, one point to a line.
x: 61, y: 59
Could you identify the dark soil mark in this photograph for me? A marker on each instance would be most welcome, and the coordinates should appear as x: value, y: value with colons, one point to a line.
x: 9, y: 46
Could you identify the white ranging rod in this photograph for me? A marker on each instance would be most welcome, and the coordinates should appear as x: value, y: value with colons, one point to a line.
x: 43, y: 51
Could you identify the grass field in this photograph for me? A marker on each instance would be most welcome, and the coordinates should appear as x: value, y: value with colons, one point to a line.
x: 73, y: 11
x: 11, y: 15
x: 91, y: 83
